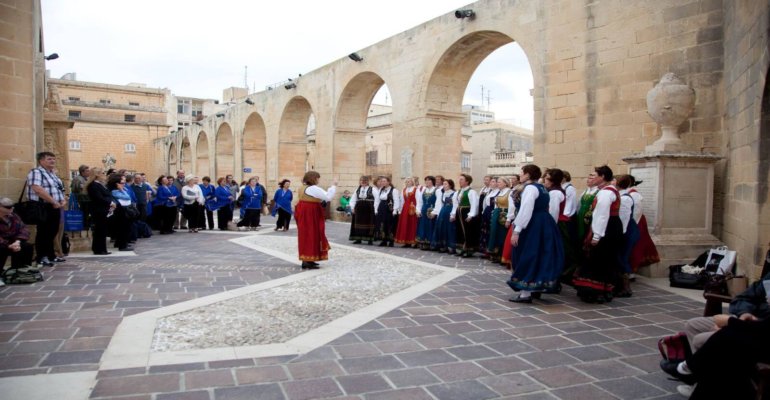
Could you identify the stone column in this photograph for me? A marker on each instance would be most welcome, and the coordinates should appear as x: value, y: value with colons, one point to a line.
x: 678, y: 184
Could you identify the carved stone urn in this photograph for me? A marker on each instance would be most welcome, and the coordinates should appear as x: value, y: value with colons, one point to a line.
x: 669, y: 103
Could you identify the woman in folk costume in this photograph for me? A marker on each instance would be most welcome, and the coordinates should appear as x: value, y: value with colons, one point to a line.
x: 559, y: 199
x: 282, y: 199
x: 444, y: 239
x: 362, y: 207
x: 488, y: 190
x: 426, y: 199
x: 569, y: 229
x: 514, y: 202
x: 584, y: 208
x: 386, y: 205
x: 595, y: 279
x: 498, y: 219
x: 630, y: 234
x: 539, y: 255
x: 644, y: 252
x: 225, y: 200
x: 466, y: 217
x: 406, y: 230
x: 311, y: 224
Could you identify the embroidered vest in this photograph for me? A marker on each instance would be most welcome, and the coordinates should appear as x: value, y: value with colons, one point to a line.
x: 615, y: 206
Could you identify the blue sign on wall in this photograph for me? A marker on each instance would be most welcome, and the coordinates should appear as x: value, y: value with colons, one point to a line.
x: 247, y: 170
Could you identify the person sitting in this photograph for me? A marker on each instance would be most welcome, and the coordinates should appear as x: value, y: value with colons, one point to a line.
x: 13, y: 238
x: 345, y: 203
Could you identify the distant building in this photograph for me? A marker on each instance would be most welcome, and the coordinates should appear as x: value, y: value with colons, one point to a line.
x: 189, y: 110
x: 499, y: 149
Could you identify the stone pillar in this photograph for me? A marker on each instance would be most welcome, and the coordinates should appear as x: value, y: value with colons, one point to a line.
x: 678, y: 185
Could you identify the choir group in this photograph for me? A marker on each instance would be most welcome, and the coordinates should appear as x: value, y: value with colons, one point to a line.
x: 533, y: 223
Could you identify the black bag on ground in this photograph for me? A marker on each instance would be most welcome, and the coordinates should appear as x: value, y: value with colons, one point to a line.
x: 16, y: 276
x: 680, y: 279
x: 143, y: 230
x: 30, y: 212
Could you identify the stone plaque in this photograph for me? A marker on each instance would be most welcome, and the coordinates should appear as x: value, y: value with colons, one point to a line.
x: 649, y: 190
x: 685, y: 197
x: 406, y: 162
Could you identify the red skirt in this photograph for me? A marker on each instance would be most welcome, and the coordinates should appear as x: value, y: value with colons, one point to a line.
x: 644, y: 253
x: 406, y: 230
x: 311, y: 231
x: 507, y: 248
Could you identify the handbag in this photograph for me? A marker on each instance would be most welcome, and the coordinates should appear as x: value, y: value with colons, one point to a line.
x: 721, y: 260
x: 680, y: 279
x: 131, y: 211
x: 30, y: 212
x: 73, y: 217
x: 675, y: 348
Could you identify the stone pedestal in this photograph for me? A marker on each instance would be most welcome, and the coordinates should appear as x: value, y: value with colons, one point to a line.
x: 678, y: 190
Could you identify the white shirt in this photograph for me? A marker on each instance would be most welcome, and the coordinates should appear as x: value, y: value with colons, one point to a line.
x: 192, y: 194
x: 554, y: 204
x: 359, y: 195
x: 601, y: 214
x: 571, y: 204
x: 528, y: 197
x: 637, y: 205
x: 626, y: 203
x: 511, y: 206
x: 473, y: 198
x: 318, y: 193
x: 490, y: 198
x: 398, y: 201
x: 382, y: 195
x: 439, y: 201
x: 420, y: 193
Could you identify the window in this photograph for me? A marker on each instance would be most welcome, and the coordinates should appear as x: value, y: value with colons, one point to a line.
x: 371, y: 157
x: 466, y: 162
x: 75, y: 145
x: 104, y: 101
x: 129, y: 148
x: 73, y: 98
x: 74, y: 114
x: 183, y: 107
x: 129, y: 118
x: 133, y: 103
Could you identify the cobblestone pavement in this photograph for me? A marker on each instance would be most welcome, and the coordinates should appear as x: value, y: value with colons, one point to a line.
x: 461, y: 341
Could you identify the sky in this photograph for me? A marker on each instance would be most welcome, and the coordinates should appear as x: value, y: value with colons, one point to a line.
x: 197, y: 48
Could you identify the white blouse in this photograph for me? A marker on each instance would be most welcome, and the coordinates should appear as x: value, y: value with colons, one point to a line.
x: 528, y: 197
x: 420, y: 192
x: 556, y: 197
x: 318, y: 193
x: 473, y: 198
x: 571, y: 205
x: 601, y: 213
x: 360, y: 195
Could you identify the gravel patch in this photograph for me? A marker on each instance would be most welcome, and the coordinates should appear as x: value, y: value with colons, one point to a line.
x: 354, y: 280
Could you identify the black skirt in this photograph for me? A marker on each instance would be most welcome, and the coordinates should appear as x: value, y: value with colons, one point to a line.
x: 362, y: 226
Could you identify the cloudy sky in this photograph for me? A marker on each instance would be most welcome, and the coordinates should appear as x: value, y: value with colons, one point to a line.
x: 199, y: 47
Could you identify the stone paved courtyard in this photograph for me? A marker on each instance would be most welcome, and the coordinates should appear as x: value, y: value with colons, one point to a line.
x: 463, y: 340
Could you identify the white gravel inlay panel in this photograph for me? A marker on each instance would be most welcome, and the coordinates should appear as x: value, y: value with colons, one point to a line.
x: 290, y: 315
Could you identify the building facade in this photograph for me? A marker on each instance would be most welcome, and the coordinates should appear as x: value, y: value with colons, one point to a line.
x: 495, y: 145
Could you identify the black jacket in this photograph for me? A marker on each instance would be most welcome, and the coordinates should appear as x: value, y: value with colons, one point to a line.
x: 100, y: 198
x: 752, y: 300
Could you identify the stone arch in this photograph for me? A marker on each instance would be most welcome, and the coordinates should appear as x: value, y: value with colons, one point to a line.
x: 292, y: 139
x: 185, y: 156
x: 202, y: 159
x: 255, y: 146
x: 442, y: 97
x: 172, y: 159
x: 350, y: 126
x: 225, y: 150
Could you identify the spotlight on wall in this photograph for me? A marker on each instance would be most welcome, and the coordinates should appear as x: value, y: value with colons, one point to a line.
x: 355, y: 57
x: 249, y: 102
x: 197, y: 123
x: 290, y: 85
x: 220, y: 115
x: 51, y: 56
x: 465, y: 13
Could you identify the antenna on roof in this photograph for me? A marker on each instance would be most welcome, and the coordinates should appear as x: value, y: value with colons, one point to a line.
x: 246, y: 77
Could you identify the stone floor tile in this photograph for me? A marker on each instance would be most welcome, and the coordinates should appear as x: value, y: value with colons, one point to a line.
x: 421, y: 331
x: 208, y: 379
x: 356, y: 350
x: 591, y: 353
x: 544, y: 359
x: 462, y: 391
x: 648, y: 362
x: 438, y: 342
x: 369, y: 364
x: 589, y: 338
x: 509, y: 347
x: 627, y: 348
x: 607, y: 369
x: 270, y: 373
x: 411, y: 377
x: 400, y: 394
x: 472, y: 352
x: 380, y: 335
x: 550, y: 342
x: 398, y: 346
x: 192, y: 395
x: 72, y: 357
x: 458, y: 327
x: 250, y: 392
x: 511, y: 384
x: 425, y: 357
x: 358, y: 384
x: 630, y: 388
x: 246, y: 362
x: 458, y: 371
x: 121, y: 386
x: 557, y: 377
x: 504, y: 365
x: 496, y: 335
x: 583, y: 392
x: 178, y: 367
x: 314, y: 369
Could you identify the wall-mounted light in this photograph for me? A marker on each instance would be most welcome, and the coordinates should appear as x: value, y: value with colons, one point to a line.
x: 51, y: 56
x: 468, y: 13
x: 220, y: 115
x: 249, y: 102
x: 290, y: 85
x: 197, y: 123
x: 355, y: 57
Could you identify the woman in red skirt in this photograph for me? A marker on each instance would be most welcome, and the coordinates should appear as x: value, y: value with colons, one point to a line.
x: 311, y: 224
x: 406, y: 230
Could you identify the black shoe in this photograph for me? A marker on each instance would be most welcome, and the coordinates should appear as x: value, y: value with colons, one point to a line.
x: 309, y: 265
x: 536, y: 295
x: 383, y: 244
x: 406, y: 246
x: 127, y: 248
x: 390, y: 244
x: 357, y: 242
x: 102, y: 253
x: 669, y: 367
x: 519, y: 299
x: 370, y: 243
x: 59, y: 259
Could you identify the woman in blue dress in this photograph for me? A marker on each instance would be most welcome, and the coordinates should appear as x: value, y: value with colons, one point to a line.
x: 538, y: 254
x: 426, y: 198
x: 224, y: 198
x: 252, y: 203
x: 210, y: 204
x: 497, y: 220
x: 165, y: 206
x: 631, y: 234
x: 444, y: 236
x: 282, y: 199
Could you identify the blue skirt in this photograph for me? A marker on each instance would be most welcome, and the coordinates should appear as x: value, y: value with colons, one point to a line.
x: 425, y: 226
x: 444, y: 236
x: 539, y: 257
x: 632, y: 236
x: 497, y: 233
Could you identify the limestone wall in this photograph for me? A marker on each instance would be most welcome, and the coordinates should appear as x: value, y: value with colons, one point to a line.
x: 22, y: 76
